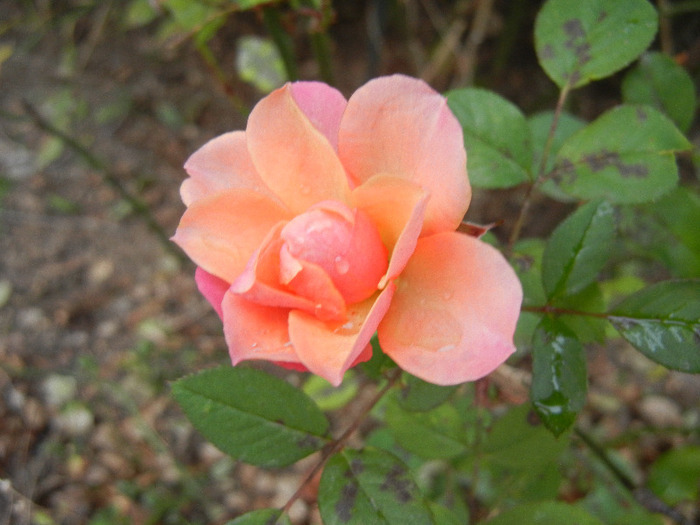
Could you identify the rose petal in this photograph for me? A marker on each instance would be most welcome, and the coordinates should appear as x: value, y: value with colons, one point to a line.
x: 212, y: 288
x: 453, y: 316
x: 296, y: 161
x: 256, y: 332
x: 396, y: 207
x: 222, y: 163
x: 322, y: 105
x: 399, y: 126
x: 220, y: 233
x: 329, y: 349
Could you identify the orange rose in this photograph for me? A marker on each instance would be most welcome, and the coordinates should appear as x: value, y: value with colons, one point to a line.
x: 328, y: 220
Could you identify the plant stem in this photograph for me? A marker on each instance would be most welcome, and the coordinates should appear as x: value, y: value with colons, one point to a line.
x: 282, y: 40
x: 645, y: 497
x: 111, y: 178
x: 525, y: 208
x: 336, y: 445
x: 322, y: 51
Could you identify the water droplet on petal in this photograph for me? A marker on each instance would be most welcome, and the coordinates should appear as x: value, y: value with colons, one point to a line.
x: 447, y: 296
x: 304, y: 189
x: 342, y: 265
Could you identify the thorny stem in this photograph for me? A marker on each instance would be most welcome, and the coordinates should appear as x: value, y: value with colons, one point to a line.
x: 139, y: 206
x: 336, y: 445
x: 525, y: 208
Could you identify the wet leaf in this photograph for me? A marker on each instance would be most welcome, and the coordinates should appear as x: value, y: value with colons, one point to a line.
x: 239, y: 410
x: 657, y: 80
x: 559, y: 380
x: 624, y: 156
x: 370, y: 486
x: 577, y: 42
x: 663, y: 322
x: 578, y: 249
x: 496, y: 136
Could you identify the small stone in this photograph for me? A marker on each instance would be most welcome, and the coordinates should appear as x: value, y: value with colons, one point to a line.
x: 59, y: 389
x: 75, y: 421
x: 660, y: 411
x: 100, y: 271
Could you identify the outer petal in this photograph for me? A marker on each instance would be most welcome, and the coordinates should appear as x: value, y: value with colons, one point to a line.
x: 329, y: 349
x: 212, y: 288
x: 256, y: 332
x: 322, y: 105
x: 296, y: 161
x: 397, y: 208
x: 222, y: 163
x: 221, y: 232
x: 398, y: 125
x: 454, y: 312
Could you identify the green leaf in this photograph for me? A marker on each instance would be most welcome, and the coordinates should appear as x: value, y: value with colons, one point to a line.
x: 418, y: 396
x: 588, y: 328
x: 259, y: 62
x: 540, y: 125
x: 370, y: 486
x: 545, y: 513
x: 518, y: 440
x: 674, y: 476
x: 578, y: 249
x: 440, y: 433
x: 663, y: 322
x: 496, y: 137
x: 558, y: 375
x: 679, y: 213
x: 328, y: 397
x: 262, y: 517
x: 240, y: 411
x: 380, y: 362
x: 577, y: 42
x: 527, y: 262
x: 624, y: 156
x: 659, y: 81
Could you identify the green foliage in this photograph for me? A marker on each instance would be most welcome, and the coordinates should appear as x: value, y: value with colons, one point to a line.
x: 545, y: 513
x: 418, y: 396
x: 578, y: 249
x: 558, y: 375
x: 239, y: 410
x: 624, y: 156
x: 578, y: 42
x: 658, y: 81
x: 663, y: 322
x: 495, y: 135
x: 258, y: 61
x: 370, y: 486
x: 262, y: 517
x: 674, y: 476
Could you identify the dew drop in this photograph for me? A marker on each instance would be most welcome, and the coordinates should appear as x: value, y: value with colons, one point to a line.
x: 304, y: 189
x: 342, y: 265
x: 447, y: 296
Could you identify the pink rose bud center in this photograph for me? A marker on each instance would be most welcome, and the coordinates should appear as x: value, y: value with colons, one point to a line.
x: 343, y: 242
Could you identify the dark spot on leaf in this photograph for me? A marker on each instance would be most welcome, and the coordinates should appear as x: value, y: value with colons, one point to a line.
x: 639, y: 171
x: 397, y: 484
x: 696, y: 335
x: 602, y: 16
x: 346, y: 502
x: 641, y: 115
x: 272, y: 520
x: 563, y: 172
x: 574, y: 29
x: 309, y: 442
x: 356, y: 468
x: 533, y: 419
x: 547, y: 52
x: 524, y: 262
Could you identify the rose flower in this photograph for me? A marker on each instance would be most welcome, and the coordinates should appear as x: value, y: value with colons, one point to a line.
x: 328, y: 220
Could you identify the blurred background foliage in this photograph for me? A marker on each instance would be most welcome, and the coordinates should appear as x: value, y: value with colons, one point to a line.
x: 101, y: 102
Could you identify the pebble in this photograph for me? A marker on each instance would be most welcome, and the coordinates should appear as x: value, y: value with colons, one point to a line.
x: 59, y: 389
x: 660, y: 411
x: 75, y: 421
